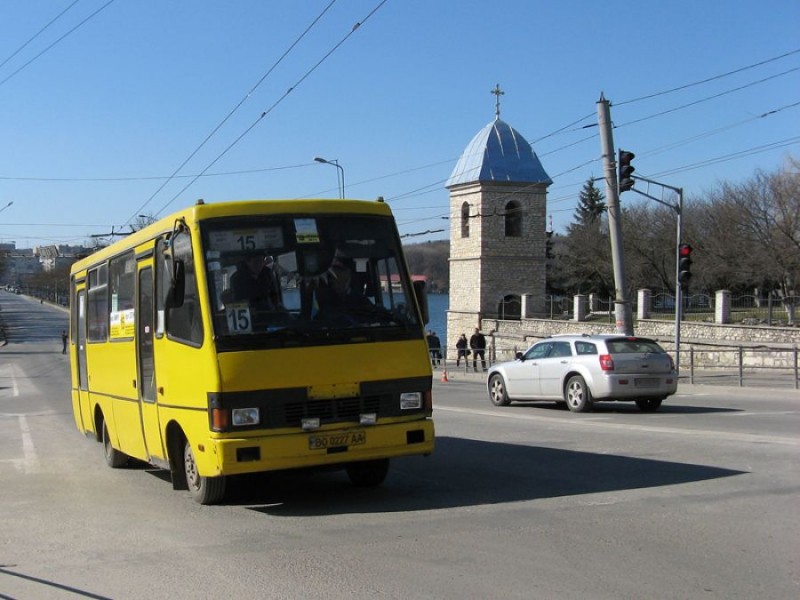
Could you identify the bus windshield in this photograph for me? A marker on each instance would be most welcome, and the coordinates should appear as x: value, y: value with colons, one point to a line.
x: 289, y: 280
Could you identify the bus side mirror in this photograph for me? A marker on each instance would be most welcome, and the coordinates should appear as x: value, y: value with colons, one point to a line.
x: 178, y: 288
x: 422, y: 300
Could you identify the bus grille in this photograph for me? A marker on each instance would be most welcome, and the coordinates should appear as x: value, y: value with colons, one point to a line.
x: 335, y: 411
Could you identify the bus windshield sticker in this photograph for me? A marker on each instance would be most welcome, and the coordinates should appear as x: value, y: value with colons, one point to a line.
x: 288, y: 262
x: 238, y: 317
x: 122, y: 323
x: 306, y: 231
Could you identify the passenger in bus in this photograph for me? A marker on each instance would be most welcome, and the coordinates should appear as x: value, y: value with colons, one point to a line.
x: 255, y: 281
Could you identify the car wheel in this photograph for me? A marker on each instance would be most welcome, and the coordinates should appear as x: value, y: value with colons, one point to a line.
x: 577, y: 394
x: 114, y: 458
x: 497, y: 390
x: 649, y: 404
x: 368, y: 473
x: 204, y: 490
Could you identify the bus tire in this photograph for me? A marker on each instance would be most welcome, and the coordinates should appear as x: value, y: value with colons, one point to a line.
x: 368, y: 473
x: 114, y: 458
x: 204, y: 490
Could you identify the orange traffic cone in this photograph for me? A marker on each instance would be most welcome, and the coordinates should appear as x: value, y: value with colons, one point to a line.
x: 444, y: 375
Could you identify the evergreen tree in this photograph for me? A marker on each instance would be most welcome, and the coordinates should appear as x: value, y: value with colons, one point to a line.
x: 586, y: 260
x: 591, y: 204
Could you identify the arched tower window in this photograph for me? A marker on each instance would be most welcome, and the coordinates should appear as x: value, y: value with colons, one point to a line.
x: 513, y: 215
x: 465, y: 220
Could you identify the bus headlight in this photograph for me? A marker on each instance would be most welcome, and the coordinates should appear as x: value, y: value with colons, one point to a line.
x: 410, y: 401
x: 242, y: 417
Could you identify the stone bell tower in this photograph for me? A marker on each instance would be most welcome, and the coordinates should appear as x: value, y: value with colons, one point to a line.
x: 498, y: 205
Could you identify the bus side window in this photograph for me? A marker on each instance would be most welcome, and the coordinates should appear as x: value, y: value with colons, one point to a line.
x: 182, y: 322
x: 98, y: 304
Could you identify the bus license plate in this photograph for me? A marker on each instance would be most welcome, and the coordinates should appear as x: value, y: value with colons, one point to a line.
x: 335, y: 440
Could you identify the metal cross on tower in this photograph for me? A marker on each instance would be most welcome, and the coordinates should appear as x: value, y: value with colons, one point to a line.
x: 497, y: 92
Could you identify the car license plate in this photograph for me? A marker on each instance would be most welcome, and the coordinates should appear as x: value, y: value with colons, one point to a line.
x: 336, y: 440
x: 646, y: 382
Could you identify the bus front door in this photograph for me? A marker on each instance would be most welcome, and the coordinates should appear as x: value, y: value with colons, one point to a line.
x: 146, y: 365
x: 84, y: 412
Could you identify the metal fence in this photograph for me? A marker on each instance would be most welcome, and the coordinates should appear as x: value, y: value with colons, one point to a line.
x: 739, y: 367
x: 759, y: 366
x: 747, y: 309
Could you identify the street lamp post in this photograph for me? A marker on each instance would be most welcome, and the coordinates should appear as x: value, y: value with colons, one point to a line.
x: 339, y: 174
x: 6, y: 206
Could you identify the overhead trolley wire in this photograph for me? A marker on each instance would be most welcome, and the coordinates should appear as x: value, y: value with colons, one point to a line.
x: 707, y: 98
x: 706, y: 80
x: 230, y: 114
x: 276, y: 103
x: 37, y: 34
x: 91, y: 16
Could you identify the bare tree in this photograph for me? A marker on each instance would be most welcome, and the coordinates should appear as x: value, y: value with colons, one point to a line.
x: 754, y: 230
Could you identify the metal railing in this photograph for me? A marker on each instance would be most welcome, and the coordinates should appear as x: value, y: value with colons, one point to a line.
x: 760, y: 366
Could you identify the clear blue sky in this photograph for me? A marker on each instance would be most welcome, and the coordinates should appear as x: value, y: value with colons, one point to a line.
x: 100, y: 108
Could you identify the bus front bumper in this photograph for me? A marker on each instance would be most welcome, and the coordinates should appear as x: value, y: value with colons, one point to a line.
x: 322, y: 447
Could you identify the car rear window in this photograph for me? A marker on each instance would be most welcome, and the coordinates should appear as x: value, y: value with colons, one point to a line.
x: 632, y: 346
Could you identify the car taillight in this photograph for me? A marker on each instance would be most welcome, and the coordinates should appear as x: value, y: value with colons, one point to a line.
x: 606, y: 362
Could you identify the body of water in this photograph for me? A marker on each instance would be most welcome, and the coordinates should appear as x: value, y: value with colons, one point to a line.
x: 437, y: 308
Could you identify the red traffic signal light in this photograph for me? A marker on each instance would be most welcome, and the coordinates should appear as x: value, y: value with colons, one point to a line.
x: 684, y: 264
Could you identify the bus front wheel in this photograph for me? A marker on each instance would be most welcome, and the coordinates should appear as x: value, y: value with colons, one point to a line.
x: 204, y: 490
x: 368, y: 473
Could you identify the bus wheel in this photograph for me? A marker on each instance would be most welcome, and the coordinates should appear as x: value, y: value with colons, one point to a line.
x: 114, y: 458
x: 204, y: 490
x: 368, y: 473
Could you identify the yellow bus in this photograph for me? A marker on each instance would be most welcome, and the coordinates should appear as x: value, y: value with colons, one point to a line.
x: 250, y: 336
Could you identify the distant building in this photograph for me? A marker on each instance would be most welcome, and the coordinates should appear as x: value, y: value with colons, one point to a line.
x: 19, y: 264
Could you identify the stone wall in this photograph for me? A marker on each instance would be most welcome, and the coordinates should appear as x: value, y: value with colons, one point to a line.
x: 709, y: 343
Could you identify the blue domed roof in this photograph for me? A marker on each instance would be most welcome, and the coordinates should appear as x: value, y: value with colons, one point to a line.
x: 498, y: 153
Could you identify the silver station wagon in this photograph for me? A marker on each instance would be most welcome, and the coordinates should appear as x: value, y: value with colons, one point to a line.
x: 582, y: 369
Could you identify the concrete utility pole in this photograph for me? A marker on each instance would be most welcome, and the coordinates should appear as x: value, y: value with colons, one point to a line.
x: 622, y: 305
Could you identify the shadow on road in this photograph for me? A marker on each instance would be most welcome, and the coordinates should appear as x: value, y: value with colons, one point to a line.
x: 601, y: 407
x: 463, y: 473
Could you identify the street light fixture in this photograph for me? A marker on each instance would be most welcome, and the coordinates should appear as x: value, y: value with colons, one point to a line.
x: 6, y: 206
x: 339, y: 174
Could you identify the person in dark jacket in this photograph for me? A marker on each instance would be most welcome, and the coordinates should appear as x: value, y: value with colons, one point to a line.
x: 254, y: 281
x: 435, y: 348
x: 461, y: 349
x: 477, y: 344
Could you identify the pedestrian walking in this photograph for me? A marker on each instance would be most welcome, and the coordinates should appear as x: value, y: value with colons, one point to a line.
x: 477, y: 344
x: 64, y: 341
x: 461, y: 350
x: 434, y: 348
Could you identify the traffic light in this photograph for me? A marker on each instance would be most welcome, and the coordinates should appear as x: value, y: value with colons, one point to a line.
x: 626, y: 170
x: 684, y: 265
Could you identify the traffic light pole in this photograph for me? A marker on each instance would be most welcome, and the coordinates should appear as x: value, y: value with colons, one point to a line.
x: 622, y: 306
x: 678, y: 208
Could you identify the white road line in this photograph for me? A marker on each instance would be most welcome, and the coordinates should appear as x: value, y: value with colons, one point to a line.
x: 516, y: 416
x: 30, y: 461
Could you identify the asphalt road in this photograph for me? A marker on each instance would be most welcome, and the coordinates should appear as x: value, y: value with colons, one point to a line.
x: 698, y: 500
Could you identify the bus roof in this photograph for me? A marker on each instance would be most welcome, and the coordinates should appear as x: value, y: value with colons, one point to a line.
x: 201, y: 211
